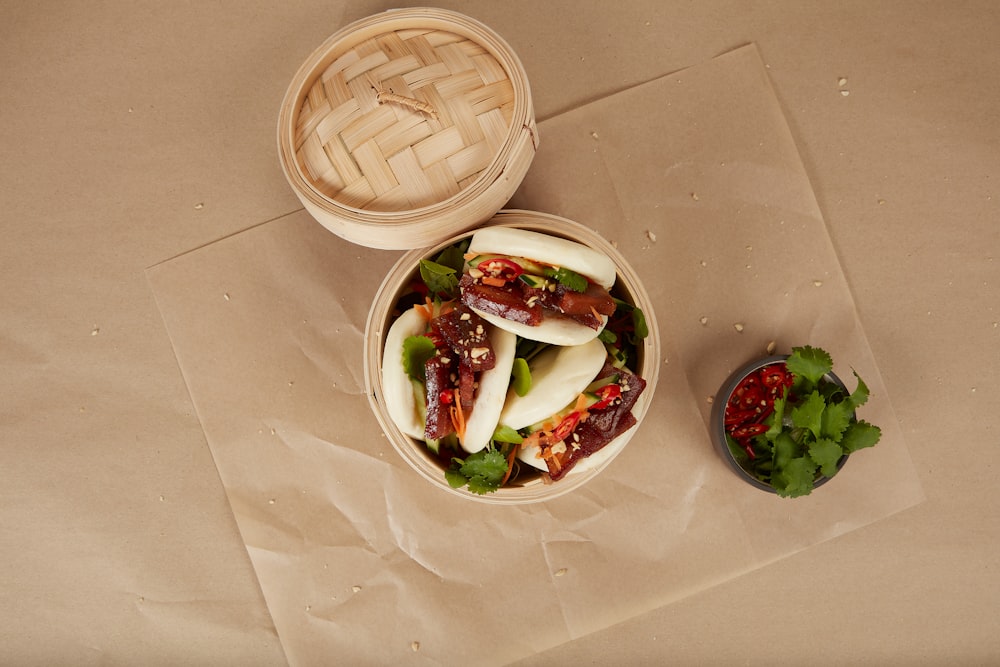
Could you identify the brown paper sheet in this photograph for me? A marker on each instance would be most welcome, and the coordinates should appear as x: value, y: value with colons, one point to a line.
x: 697, y: 178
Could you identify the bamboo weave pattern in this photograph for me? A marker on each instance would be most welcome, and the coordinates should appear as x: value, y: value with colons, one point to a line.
x: 403, y: 120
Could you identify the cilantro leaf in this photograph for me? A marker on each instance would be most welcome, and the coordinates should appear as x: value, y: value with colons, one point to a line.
x: 776, y: 419
x: 809, y: 415
x: 826, y: 453
x: 440, y: 279
x: 569, y: 279
x: 860, y: 395
x: 455, y: 479
x: 860, y: 435
x: 785, y: 449
x: 416, y: 351
x: 484, y: 470
x: 808, y: 362
x: 795, y: 478
x: 836, y: 417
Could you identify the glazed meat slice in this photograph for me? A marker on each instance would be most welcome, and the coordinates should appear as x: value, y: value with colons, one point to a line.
x: 465, y: 332
x: 602, y: 426
x: 596, y: 298
x: 506, y: 302
x: 438, y: 372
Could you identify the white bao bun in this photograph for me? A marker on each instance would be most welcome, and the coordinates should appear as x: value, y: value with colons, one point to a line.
x: 530, y: 456
x: 491, y: 393
x: 558, y: 376
x: 397, y: 388
x: 546, y: 249
x: 554, y: 329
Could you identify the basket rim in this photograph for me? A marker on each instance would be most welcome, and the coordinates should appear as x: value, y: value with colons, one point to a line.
x: 375, y: 331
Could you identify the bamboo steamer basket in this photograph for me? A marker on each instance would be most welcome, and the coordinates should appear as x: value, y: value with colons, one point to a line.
x: 406, y: 127
x: 381, y: 316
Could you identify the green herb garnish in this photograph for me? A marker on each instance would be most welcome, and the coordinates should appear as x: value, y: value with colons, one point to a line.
x: 522, y: 376
x: 416, y: 351
x: 482, y: 472
x: 792, y: 423
x: 440, y: 279
x: 568, y: 279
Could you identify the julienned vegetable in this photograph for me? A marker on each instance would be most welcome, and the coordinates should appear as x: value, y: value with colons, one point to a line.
x: 789, y: 423
x: 442, y: 382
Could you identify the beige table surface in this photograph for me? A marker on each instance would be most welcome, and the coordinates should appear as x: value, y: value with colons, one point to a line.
x: 132, y: 132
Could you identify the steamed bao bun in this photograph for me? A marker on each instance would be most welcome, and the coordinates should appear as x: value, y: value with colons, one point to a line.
x: 558, y: 376
x: 400, y: 392
x: 555, y: 251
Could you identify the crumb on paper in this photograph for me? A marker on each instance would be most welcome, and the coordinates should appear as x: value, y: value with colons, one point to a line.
x: 749, y: 248
x: 771, y: 347
x: 594, y: 135
x: 703, y: 320
x: 842, y: 81
x: 199, y: 206
x: 739, y: 327
x: 667, y: 361
x: 710, y: 399
x: 271, y: 501
x: 355, y: 588
x: 817, y: 283
x: 845, y: 93
x: 414, y: 646
x: 225, y: 296
x: 561, y: 571
x: 162, y: 499
x: 694, y: 196
x: 650, y: 235
x: 881, y: 201
x: 96, y: 330
x: 704, y: 263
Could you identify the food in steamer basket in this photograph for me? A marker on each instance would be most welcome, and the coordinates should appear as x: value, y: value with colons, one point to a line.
x: 510, y: 359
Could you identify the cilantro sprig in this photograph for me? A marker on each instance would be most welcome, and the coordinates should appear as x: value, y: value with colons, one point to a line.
x: 807, y: 424
x: 483, y: 471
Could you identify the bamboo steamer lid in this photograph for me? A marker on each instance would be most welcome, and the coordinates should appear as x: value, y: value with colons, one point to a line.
x: 407, y: 127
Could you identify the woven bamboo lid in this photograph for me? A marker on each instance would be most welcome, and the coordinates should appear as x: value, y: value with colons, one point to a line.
x: 407, y: 127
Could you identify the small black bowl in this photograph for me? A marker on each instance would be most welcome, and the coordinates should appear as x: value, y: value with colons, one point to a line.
x: 717, y: 426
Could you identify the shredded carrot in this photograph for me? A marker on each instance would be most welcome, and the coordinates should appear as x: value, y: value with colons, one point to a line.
x: 470, y: 255
x: 458, y: 416
x: 495, y: 282
x: 510, y: 464
x: 425, y: 309
x: 596, y: 314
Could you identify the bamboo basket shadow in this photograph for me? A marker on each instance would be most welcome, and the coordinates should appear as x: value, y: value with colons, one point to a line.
x: 407, y: 126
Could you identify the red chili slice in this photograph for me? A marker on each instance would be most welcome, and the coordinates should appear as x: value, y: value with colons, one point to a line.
x: 747, y: 431
x: 752, y: 397
x: 501, y: 267
x: 773, y: 376
x: 566, y: 427
x: 737, y: 417
x: 606, y: 395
